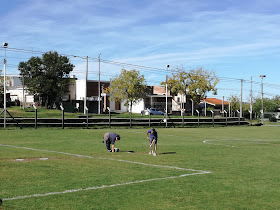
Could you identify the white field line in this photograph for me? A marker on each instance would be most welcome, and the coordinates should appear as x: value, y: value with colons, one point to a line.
x: 253, y: 141
x: 198, y: 172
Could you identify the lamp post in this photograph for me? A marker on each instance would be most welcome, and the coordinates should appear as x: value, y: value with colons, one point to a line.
x: 5, y: 45
x: 166, y: 111
x: 262, y: 76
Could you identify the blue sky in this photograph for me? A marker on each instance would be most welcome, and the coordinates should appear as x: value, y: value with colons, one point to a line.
x: 238, y: 39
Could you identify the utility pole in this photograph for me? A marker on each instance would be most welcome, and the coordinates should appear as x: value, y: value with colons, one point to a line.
x: 166, y: 111
x: 262, y: 76
x: 99, y: 83
x: 251, y: 100
x: 241, y: 98
x: 5, y: 98
x: 85, y: 99
x: 23, y: 98
x: 223, y: 107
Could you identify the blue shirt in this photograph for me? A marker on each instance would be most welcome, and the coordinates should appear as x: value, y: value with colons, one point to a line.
x: 112, y: 137
x: 153, y: 135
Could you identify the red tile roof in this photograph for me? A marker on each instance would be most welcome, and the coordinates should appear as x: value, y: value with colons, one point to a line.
x: 214, y: 101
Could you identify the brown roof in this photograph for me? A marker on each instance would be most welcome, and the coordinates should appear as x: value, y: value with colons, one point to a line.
x: 214, y: 101
x: 160, y: 90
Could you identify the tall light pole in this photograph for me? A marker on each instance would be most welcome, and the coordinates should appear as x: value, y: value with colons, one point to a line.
x: 166, y: 107
x: 262, y: 76
x: 5, y: 45
x: 99, y: 83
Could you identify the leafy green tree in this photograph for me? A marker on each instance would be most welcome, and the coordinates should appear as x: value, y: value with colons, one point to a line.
x: 195, y: 82
x: 276, y: 100
x: 129, y: 86
x: 47, y: 77
x: 234, y: 103
x: 268, y: 105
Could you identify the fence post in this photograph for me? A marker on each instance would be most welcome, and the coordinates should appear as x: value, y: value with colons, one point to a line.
x: 212, y: 117
x: 250, y: 116
x: 87, y: 114
x: 109, y: 116
x: 226, y: 116
x: 238, y: 117
x: 61, y: 107
x: 149, y: 118
x: 183, y: 114
x: 198, y: 116
x: 35, y: 116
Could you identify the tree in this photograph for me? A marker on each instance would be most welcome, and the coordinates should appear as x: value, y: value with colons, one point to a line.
x: 197, y: 83
x: 129, y: 86
x: 268, y: 105
x: 47, y: 77
x: 234, y: 103
x: 276, y: 100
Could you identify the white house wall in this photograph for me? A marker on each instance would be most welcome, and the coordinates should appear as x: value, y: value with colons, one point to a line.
x: 80, y: 89
x: 138, y: 107
x: 17, y: 94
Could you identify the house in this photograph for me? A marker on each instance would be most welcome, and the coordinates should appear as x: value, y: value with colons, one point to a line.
x: 217, y: 105
x: 17, y: 92
x: 89, y: 89
x: 156, y: 98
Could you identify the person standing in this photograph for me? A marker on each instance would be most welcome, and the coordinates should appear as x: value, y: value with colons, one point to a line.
x: 153, y: 137
x: 109, y: 139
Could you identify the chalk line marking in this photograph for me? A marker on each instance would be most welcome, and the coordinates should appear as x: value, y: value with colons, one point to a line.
x: 252, y: 141
x: 198, y: 172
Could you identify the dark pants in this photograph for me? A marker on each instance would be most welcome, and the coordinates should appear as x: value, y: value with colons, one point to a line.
x: 108, y: 143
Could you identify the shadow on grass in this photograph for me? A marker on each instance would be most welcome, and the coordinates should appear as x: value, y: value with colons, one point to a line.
x: 163, y: 153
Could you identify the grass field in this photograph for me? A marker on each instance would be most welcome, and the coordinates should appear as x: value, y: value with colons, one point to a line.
x: 196, y: 168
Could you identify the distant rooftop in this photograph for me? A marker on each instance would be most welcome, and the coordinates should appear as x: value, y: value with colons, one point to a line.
x: 214, y: 101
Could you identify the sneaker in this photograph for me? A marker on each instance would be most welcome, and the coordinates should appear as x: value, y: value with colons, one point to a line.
x: 150, y: 153
x: 154, y: 154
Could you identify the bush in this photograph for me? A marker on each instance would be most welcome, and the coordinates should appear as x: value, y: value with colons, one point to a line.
x: 272, y: 119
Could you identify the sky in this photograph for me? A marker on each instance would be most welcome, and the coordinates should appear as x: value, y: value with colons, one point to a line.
x: 238, y: 39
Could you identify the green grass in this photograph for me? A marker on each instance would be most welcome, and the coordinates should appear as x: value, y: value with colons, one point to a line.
x: 243, y: 161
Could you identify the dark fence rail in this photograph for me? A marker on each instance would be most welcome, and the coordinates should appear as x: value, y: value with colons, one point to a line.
x: 102, y: 122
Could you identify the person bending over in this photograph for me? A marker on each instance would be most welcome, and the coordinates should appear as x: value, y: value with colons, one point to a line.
x: 109, y: 139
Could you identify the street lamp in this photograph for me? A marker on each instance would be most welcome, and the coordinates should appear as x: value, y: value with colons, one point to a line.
x: 262, y: 76
x: 5, y: 45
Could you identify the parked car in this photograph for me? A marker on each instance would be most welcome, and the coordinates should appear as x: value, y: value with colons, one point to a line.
x: 152, y: 111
